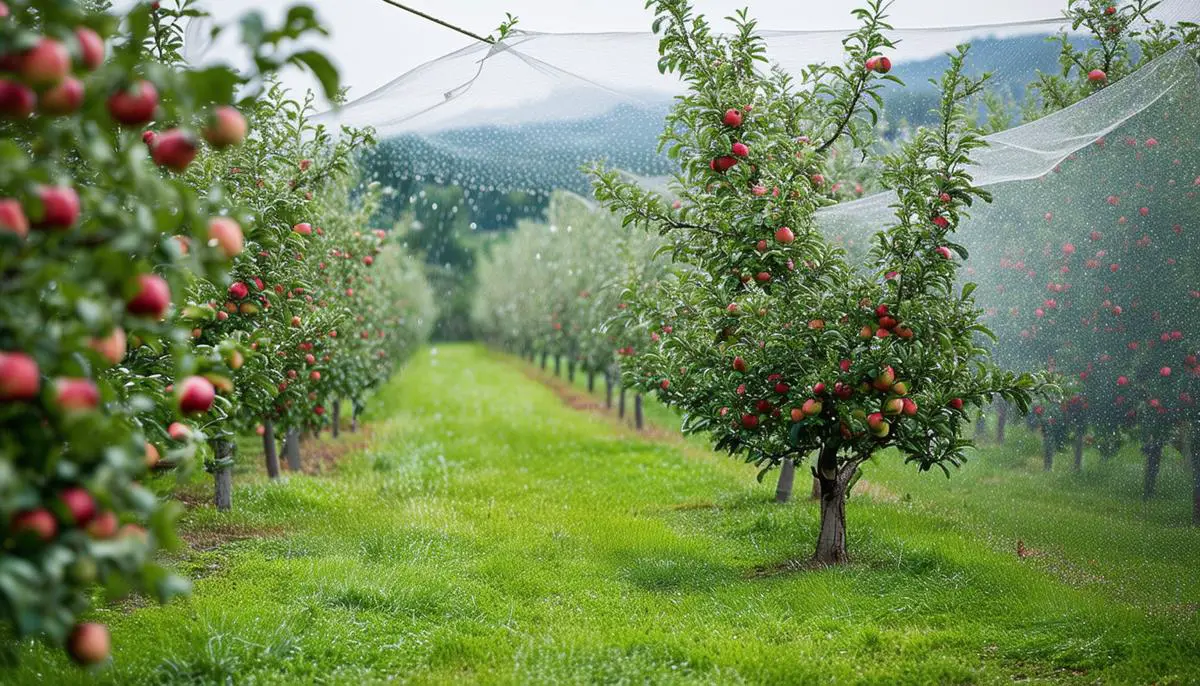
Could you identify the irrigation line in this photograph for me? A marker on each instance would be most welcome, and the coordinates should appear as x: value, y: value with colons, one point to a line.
x: 439, y: 22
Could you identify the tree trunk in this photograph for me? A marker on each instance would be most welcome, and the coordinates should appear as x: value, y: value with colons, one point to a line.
x: 545, y: 356
x: 337, y: 416
x: 1079, y: 450
x: 223, y: 474
x: 639, y: 418
x: 291, y: 449
x: 608, y: 389
x: 591, y: 381
x: 816, y: 489
x: 1194, y: 444
x: 1153, y: 452
x: 831, y: 542
x: 1048, y: 449
x: 621, y: 404
x: 1001, y: 420
x: 787, y: 476
x: 558, y: 365
x: 269, y: 449
x: 571, y: 371
x: 355, y: 409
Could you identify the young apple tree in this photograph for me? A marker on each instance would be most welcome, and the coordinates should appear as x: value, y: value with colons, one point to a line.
x: 781, y: 348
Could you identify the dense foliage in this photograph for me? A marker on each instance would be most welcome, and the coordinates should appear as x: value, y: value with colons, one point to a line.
x: 129, y: 209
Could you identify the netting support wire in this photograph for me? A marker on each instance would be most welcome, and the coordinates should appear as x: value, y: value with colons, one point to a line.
x: 439, y: 22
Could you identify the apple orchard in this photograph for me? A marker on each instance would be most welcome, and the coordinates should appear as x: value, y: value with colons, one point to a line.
x: 188, y: 258
x: 185, y: 257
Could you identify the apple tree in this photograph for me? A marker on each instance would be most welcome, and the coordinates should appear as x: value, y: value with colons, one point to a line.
x: 781, y: 347
x: 99, y: 239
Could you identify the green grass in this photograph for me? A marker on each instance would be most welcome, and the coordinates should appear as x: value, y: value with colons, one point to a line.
x: 491, y: 533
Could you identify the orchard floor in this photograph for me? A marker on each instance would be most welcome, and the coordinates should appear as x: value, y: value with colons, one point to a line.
x: 488, y: 531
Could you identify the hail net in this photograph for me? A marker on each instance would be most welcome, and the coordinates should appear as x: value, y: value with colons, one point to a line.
x: 1090, y: 202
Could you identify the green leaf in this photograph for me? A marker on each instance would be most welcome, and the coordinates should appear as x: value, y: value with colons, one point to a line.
x: 321, y: 67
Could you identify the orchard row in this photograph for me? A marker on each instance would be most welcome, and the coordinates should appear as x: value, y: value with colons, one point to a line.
x: 178, y: 267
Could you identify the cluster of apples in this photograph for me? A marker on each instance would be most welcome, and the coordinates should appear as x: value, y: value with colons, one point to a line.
x: 74, y: 508
x: 50, y: 79
x: 886, y: 324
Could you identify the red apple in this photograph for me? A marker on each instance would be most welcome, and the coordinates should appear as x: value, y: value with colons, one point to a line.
x: 12, y: 218
x: 749, y: 421
x: 112, y: 346
x: 956, y: 403
x: 152, y: 299
x: 368, y: 260
x: 740, y: 150
x: 664, y: 384
x: 174, y: 149
x: 64, y: 98
x: 315, y: 375
x: 103, y: 525
x: 16, y: 99
x: 37, y: 523
x: 319, y: 410
x: 60, y: 207
x: 89, y: 643
x: 303, y: 228
x: 152, y: 455
x: 196, y: 395
x: 226, y: 234
x: 238, y: 290
x: 893, y: 406
x: 19, y: 378
x: 178, y: 431
x: 885, y: 380
x: 75, y: 395
x: 45, y: 64
x: 1097, y: 76
x: 724, y: 163
x: 134, y: 106
x: 91, y: 48
x: 732, y: 118
x: 812, y: 407
x: 739, y: 364
x: 79, y: 503
x: 226, y: 127
x: 784, y: 235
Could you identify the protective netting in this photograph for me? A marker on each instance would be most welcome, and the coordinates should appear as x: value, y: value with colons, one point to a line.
x: 526, y: 113
x: 1031, y: 151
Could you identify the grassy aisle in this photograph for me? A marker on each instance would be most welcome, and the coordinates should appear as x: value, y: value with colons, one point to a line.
x: 491, y: 533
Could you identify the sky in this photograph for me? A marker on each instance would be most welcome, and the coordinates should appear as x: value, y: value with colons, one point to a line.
x: 372, y: 42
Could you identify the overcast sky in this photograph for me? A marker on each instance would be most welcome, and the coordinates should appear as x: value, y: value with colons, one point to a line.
x: 373, y: 42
